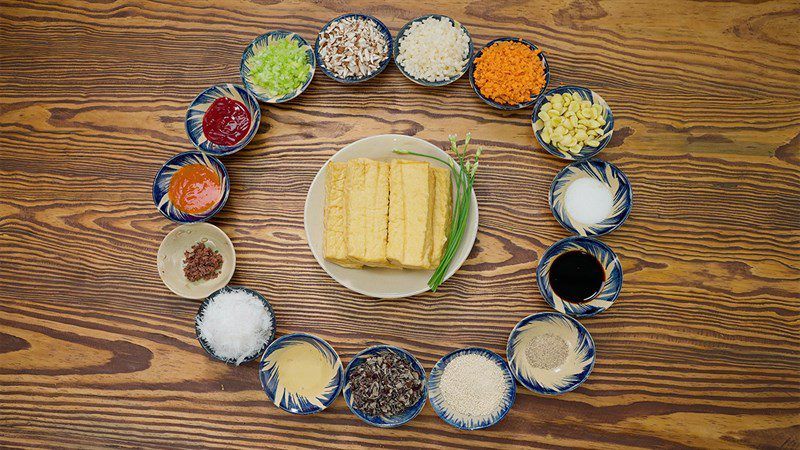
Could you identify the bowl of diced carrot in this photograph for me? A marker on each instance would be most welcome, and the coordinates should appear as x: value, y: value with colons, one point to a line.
x: 509, y: 73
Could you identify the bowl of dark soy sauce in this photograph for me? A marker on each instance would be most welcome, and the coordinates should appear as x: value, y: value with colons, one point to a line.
x: 579, y: 276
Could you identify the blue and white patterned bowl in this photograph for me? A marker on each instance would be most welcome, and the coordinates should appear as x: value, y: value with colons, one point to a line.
x: 291, y: 401
x: 607, y: 258
x: 199, y: 106
x: 586, y: 94
x: 609, y: 175
x: 261, y: 43
x: 396, y: 52
x: 567, y: 376
x: 164, y: 176
x: 385, y: 421
x: 463, y: 421
x: 201, y: 312
x: 384, y: 63
x: 503, y: 106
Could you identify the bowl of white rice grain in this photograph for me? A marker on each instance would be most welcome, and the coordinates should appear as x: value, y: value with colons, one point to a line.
x: 433, y: 50
x: 235, y: 325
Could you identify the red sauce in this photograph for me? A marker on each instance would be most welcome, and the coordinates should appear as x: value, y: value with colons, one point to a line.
x: 194, y: 189
x: 226, y: 121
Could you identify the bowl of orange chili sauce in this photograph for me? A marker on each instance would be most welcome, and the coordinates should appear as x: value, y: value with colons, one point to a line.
x: 191, y: 187
x: 222, y: 119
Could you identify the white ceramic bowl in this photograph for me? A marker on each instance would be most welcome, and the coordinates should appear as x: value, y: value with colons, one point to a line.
x: 373, y: 281
x: 181, y: 239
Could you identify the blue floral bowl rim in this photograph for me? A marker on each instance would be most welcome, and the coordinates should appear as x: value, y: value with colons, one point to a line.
x: 542, y: 57
x: 421, y: 82
x: 418, y: 407
x: 549, y: 148
x: 384, y: 63
x: 339, y: 371
x: 512, y: 392
x: 255, y: 117
x: 547, y: 254
x: 538, y: 316
x: 212, y: 212
x: 305, y: 85
x: 201, y: 312
x: 614, y: 169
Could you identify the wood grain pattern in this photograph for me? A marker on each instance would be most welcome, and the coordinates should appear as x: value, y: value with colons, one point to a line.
x: 699, y: 351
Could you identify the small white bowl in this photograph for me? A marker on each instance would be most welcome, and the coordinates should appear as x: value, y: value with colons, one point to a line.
x: 374, y: 281
x: 181, y: 239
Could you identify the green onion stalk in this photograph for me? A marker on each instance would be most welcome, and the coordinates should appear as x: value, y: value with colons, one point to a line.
x: 463, y: 172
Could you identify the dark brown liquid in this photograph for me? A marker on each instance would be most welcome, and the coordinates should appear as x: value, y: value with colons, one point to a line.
x: 577, y: 276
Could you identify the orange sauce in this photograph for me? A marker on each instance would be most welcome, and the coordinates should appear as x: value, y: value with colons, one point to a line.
x: 195, y: 188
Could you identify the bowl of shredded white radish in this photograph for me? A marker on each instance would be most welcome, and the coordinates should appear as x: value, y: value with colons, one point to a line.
x: 235, y: 325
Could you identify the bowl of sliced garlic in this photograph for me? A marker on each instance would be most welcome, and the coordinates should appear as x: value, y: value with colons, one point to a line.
x: 572, y: 122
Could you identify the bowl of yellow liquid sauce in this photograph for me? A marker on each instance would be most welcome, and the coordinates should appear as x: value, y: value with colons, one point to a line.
x: 301, y: 373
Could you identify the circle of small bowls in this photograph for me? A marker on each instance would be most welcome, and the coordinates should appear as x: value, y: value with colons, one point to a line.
x: 461, y: 421
x: 177, y: 242
x: 586, y: 94
x: 607, y: 258
x: 384, y: 62
x: 385, y: 421
x: 262, y: 42
x: 199, y: 106
x: 396, y: 52
x: 495, y: 104
x: 201, y: 312
x: 606, y: 173
x: 296, y: 404
x: 564, y: 378
x: 164, y: 175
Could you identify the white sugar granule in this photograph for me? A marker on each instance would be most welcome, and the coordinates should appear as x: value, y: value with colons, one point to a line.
x: 473, y: 385
x: 433, y: 49
x: 235, y: 324
x: 588, y: 200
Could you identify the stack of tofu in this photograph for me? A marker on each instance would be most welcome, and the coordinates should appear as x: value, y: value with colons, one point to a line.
x: 387, y: 214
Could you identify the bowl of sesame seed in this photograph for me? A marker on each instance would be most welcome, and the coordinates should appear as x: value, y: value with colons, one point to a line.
x: 471, y: 388
x: 353, y: 48
x: 550, y: 353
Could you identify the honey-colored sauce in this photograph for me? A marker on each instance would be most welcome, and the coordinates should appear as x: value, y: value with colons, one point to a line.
x: 302, y: 370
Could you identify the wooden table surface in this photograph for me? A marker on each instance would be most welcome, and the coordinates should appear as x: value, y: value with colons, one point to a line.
x: 700, y: 350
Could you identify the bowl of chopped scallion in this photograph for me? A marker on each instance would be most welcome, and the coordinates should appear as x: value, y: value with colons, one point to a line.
x: 277, y: 66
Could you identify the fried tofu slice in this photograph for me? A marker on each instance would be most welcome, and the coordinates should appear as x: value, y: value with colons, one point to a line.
x: 334, y: 247
x: 442, y: 213
x: 411, y: 196
x: 366, y: 194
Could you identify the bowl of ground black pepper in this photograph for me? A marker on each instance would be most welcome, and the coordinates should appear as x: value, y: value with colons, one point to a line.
x: 196, y: 259
x: 550, y: 353
x: 385, y: 386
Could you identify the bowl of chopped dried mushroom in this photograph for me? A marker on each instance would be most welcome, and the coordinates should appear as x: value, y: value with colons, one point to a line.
x: 385, y: 386
x: 353, y: 48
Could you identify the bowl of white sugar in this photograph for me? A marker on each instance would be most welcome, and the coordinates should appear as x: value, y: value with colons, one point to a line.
x: 235, y: 325
x: 550, y: 353
x: 433, y: 50
x: 591, y: 197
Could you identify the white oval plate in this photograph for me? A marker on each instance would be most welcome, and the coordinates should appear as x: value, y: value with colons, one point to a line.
x: 375, y: 281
